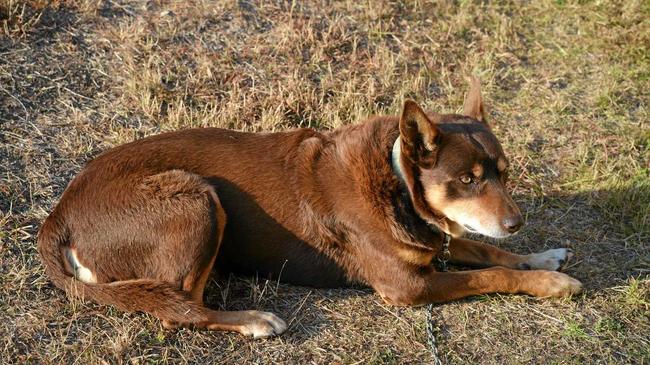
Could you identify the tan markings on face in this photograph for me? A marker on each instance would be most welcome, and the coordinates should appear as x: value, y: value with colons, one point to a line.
x: 477, y: 170
x: 502, y: 164
x: 478, y: 214
x: 455, y: 229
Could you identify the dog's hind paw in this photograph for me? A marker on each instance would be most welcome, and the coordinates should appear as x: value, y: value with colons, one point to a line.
x: 553, y: 260
x: 263, y: 324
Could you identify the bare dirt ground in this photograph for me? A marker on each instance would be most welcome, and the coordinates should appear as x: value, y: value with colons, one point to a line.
x: 567, y: 84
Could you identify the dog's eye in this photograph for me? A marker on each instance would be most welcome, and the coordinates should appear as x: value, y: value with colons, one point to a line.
x: 465, y: 179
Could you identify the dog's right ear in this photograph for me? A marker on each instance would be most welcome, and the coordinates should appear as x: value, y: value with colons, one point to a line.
x: 419, y: 135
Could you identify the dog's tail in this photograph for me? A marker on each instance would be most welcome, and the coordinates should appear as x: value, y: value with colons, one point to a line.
x: 158, y: 298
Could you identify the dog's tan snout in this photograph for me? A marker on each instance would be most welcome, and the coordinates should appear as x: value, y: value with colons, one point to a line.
x: 511, y: 220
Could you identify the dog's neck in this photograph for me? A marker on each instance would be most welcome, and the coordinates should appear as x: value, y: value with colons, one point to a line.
x: 396, y: 162
x: 416, y: 223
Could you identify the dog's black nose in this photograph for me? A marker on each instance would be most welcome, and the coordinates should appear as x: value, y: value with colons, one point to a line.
x: 513, y: 224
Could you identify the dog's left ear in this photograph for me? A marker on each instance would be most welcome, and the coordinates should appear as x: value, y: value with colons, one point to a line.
x: 473, y: 106
x: 420, y: 136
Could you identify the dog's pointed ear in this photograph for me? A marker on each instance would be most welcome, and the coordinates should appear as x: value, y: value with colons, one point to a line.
x: 420, y: 136
x: 473, y: 106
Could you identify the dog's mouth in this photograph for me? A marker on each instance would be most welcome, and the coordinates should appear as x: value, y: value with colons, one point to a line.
x: 470, y: 229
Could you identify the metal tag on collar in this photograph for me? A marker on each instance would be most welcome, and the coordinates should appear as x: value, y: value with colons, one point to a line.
x: 444, y: 254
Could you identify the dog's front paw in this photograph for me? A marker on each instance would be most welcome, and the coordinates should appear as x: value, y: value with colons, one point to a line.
x: 548, y: 260
x: 555, y: 284
x: 263, y: 324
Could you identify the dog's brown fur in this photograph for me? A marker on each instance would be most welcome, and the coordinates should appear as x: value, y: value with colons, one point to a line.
x: 143, y: 224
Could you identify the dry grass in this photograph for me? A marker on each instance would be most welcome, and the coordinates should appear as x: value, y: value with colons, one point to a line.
x: 568, y: 83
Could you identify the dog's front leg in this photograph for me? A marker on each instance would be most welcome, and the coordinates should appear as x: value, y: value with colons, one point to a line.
x: 407, y: 285
x: 479, y: 254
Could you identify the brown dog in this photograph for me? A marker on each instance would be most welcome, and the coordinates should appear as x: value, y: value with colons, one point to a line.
x: 141, y: 226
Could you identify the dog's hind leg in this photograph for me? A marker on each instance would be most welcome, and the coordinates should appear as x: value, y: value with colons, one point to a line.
x: 196, y: 280
x: 250, y: 323
x: 479, y: 254
x: 150, y: 246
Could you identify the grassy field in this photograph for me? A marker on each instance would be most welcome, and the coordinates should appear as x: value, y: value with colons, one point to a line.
x: 567, y: 84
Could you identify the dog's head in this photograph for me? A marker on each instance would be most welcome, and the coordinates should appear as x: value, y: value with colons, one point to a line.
x: 456, y: 171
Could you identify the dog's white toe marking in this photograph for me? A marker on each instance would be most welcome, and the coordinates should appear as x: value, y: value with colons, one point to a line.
x: 264, y: 325
x: 81, y: 272
x: 553, y: 259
